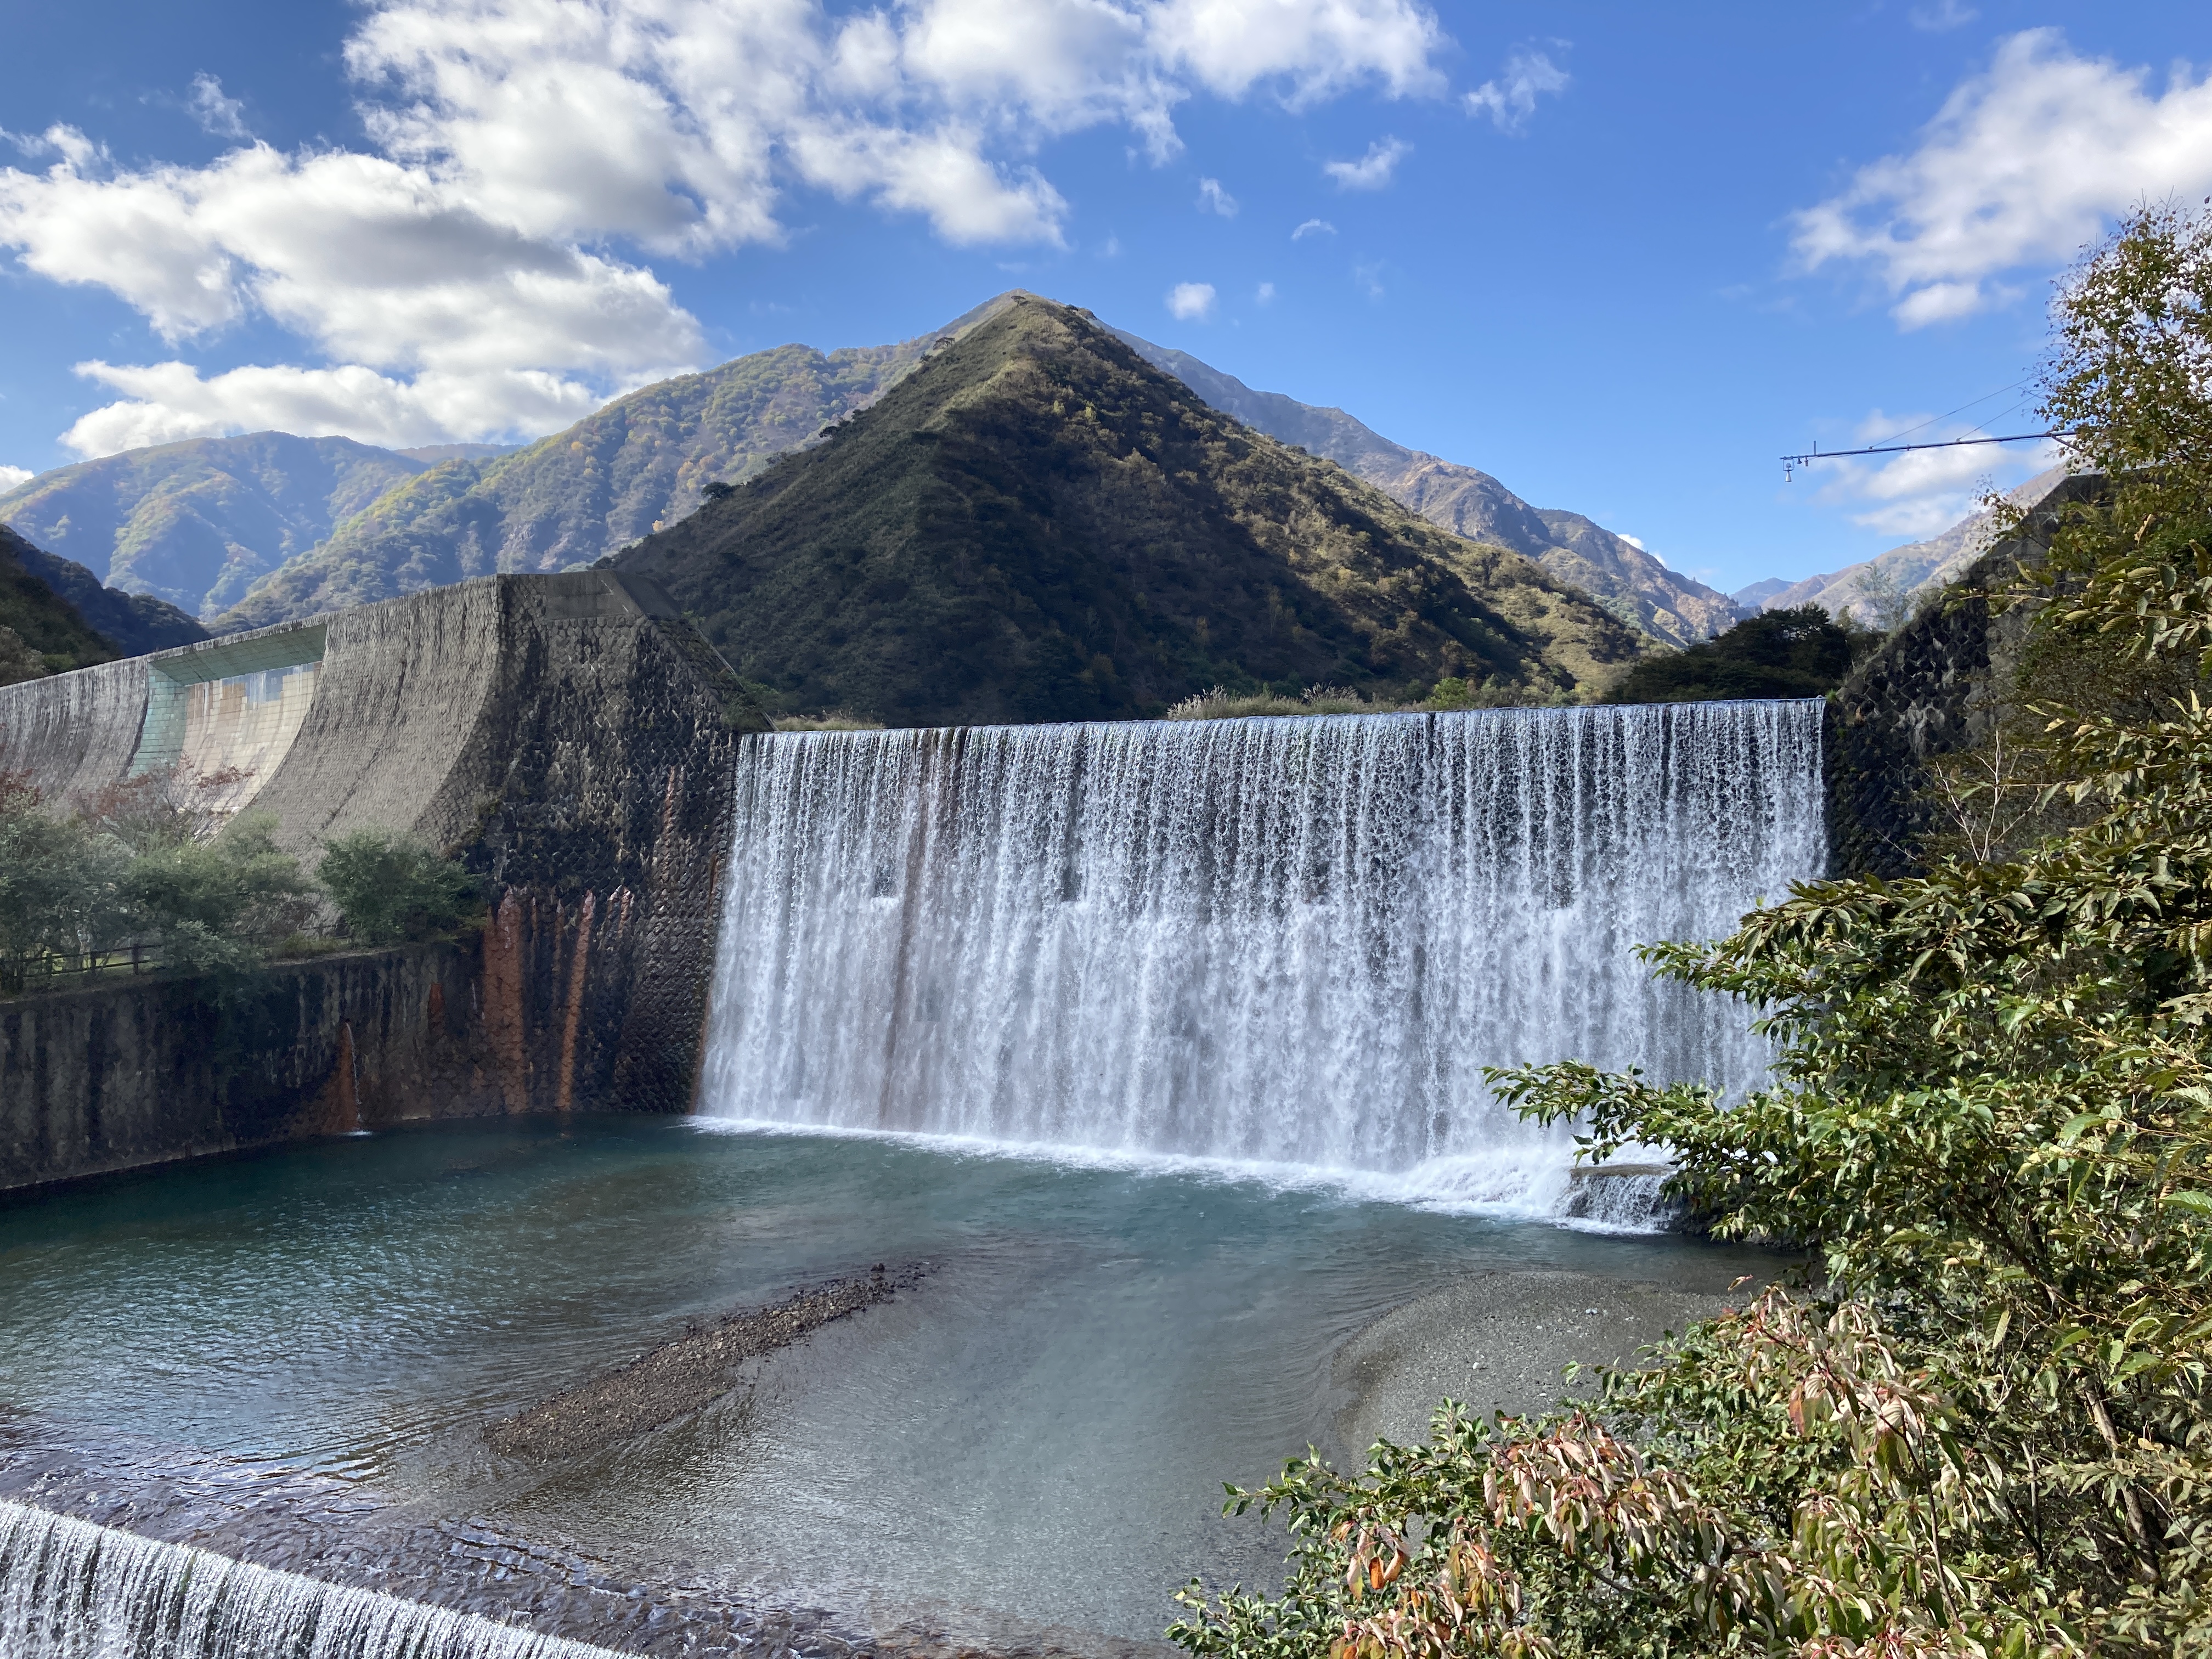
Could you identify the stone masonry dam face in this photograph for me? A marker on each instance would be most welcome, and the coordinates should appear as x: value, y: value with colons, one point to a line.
x: 1289, y: 942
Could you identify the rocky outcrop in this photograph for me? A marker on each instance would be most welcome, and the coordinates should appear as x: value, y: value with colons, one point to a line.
x: 1938, y: 686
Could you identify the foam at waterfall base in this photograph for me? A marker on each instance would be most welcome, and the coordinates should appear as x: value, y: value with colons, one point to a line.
x: 1538, y: 1182
x: 1267, y: 945
x: 69, y: 1589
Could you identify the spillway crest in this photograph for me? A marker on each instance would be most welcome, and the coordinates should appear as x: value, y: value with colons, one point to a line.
x: 1284, y: 941
x: 69, y: 1589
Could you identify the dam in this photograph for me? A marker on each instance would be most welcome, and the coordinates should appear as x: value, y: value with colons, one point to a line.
x: 1292, y: 942
x: 1147, y: 1057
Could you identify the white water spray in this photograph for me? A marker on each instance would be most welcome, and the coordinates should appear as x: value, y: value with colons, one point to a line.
x: 69, y: 1589
x: 1281, y: 941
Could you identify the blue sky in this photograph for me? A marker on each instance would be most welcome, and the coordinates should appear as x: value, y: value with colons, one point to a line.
x: 1621, y: 257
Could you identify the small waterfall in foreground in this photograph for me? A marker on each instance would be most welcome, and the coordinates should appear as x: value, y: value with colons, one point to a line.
x: 69, y: 1589
x: 1290, y: 941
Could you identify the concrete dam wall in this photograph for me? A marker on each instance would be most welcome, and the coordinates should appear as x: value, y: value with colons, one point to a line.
x: 564, y: 735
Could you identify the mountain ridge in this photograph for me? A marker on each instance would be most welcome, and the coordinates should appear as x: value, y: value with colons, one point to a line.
x: 442, y: 514
x: 1469, y: 502
x: 1902, y: 574
x: 1037, y: 523
x: 195, y: 523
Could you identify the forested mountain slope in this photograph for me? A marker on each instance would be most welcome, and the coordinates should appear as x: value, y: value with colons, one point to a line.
x: 198, y: 523
x: 1038, y: 524
x: 613, y: 477
x: 1670, y: 606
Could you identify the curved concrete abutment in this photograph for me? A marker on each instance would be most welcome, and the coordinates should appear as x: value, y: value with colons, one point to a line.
x: 565, y: 736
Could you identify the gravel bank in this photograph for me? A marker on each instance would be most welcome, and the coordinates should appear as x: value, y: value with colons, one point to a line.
x: 681, y: 1375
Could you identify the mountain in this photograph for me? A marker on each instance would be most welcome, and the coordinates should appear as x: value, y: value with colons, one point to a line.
x: 1469, y: 503
x: 1754, y: 596
x: 1890, y: 580
x: 195, y: 523
x: 134, y: 623
x: 1036, y: 524
x: 246, y: 531
x: 41, y: 632
x: 609, y: 479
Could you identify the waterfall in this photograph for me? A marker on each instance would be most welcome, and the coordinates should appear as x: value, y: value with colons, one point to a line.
x: 69, y: 1589
x: 1282, y: 941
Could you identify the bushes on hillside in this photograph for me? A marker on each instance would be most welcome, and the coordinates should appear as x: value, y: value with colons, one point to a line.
x: 1803, y: 653
x: 1986, y: 1428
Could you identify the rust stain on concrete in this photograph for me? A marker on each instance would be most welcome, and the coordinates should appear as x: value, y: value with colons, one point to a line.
x: 577, y: 966
x: 505, y: 1031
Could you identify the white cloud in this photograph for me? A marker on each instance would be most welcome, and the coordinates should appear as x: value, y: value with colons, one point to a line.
x: 2021, y: 168
x: 1313, y: 227
x: 1191, y: 302
x: 12, y: 475
x: 480, y: 266
x: 1925, y: 491
x: 1511, y: 99
x: 1265, y: 293
x: 1372, y: 171
x: 1214, y: 199
x: 1636, y: 542
x: 166, y: 401
x: 224, y: 117
x: 1943, y: 15
x: 1368, y: 275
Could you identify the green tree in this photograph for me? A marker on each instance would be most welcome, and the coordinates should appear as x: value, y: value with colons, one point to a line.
x: 389, y: 888
x: 217, y: 904
x: 1778, y: 653
x: 61, y: 894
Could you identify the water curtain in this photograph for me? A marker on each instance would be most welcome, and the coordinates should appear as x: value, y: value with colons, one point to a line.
x: 1282, y: 941
x: 69, y: 1589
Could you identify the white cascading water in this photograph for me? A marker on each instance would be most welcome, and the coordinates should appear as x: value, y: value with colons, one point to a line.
x: 69, y: 1589
x: 1280, y: 941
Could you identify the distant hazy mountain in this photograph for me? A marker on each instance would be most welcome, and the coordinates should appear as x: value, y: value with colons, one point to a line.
x: 1907, y: 571
x: 197, y: 523
x: 1037, y: 523
x: 1469, y: 503
x: 1754, y: 598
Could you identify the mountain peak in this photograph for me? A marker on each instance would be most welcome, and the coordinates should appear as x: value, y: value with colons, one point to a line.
x: 1036, y: 524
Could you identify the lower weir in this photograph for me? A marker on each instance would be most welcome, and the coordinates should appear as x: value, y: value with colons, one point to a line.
x: 1287, y: 942
x: 72, y: 1591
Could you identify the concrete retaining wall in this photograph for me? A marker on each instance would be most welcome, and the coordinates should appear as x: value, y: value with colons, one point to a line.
x: 564, y: 735
x: 132, y: 1072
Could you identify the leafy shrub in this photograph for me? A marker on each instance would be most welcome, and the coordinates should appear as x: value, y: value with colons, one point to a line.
x: 217, y: 904
x: 390, y: 888
x: 142, y: 864
x: 60, y: 886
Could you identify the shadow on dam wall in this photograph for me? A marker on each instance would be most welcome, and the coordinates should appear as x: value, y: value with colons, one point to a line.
x: 564, y: 735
